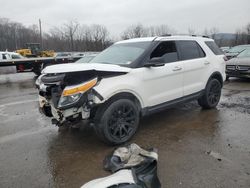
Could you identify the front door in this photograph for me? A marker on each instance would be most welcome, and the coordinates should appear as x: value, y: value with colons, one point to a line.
x: 163, y: 83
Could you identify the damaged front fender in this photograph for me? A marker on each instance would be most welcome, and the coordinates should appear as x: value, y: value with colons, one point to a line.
x: 70, y: 96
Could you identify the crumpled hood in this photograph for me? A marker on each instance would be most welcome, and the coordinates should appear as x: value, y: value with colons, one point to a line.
x: 77, y: 67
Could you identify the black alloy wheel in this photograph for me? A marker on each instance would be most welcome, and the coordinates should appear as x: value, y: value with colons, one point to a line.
x: 212, y: 94
x: 121, y: 122
x: 117, y: 122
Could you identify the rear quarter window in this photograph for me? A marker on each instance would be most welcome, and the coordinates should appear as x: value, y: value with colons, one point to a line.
x: 214, y: 48
x: 190, y: 50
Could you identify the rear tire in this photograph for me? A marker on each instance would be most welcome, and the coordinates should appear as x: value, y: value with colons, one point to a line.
x: 117, y: 121
x: 212, y: 94
x: 227, y: 78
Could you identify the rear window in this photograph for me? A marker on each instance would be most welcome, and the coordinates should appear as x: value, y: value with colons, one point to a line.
x: 214, y: 48
x: 190, y: 50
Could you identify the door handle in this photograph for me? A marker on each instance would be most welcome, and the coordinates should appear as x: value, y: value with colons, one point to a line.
x: 177, y: 68
x: 206, y: 63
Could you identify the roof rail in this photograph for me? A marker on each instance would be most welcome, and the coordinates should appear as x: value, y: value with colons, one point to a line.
x: 193, y: 35
x: 205, y: 36
x: 166, y: 35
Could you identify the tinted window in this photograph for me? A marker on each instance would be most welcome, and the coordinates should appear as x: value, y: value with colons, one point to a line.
x: 214, y: 48
x: 190, y: 50
x: 4, y: 56
x: 166, y: 50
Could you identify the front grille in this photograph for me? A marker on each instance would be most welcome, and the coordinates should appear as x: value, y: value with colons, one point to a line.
x: 52, y: 78
x: 238, y: 67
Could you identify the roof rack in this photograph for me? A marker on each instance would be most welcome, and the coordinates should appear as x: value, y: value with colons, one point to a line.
x: 166, y: 35
x: 205, y: 36
x: 183, y: 34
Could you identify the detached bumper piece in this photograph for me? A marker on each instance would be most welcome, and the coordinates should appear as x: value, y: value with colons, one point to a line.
x: 132, y: 167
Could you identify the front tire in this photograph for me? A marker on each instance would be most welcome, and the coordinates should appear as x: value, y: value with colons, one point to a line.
x: 116, y: 122
x: 212, y: 94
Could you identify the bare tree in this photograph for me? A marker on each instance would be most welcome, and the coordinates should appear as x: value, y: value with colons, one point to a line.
x: 159, y: 30
x: 191, y: 31
x: 213, y: 31
x: 242, y: 36
x: 134, y: 31
x: 99, y: 36
x: 70, y: 29
x: 248, y: 33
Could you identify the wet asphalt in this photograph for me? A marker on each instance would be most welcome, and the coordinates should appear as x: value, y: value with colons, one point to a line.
x: 197, y: 148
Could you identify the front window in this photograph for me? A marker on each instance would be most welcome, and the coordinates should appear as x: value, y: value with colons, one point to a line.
x: 121, y: 53
x: 167, y: 51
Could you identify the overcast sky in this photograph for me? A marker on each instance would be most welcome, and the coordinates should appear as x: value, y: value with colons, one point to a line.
x: 116, y: 15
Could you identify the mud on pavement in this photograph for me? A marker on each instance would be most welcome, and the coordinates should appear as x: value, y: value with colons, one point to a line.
x: 197, y: 148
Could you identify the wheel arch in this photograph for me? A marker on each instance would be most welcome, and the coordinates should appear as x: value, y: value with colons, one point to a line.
x: 216, y: 75
x: 116, y: 96
x: 126, y: 95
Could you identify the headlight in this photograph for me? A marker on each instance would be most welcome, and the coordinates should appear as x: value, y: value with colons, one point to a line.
x: 72, y: 94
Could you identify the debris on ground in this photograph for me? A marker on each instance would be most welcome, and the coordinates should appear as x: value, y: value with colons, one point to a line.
x: 217, y: 156
x: 133, y: 167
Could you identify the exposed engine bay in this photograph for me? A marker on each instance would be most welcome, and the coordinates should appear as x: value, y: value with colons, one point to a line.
x: 70, y: 96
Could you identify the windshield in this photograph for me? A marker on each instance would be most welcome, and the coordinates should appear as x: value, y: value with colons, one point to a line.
x: 16, y: 56
x: 238, y: 49
x: 122, y: 53
x: 245, y: 53
x: 85, y: 59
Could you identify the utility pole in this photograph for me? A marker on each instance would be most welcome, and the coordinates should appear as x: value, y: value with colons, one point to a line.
x: 41, y: 37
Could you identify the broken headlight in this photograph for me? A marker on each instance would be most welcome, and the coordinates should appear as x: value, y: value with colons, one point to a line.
x: 72, y: 94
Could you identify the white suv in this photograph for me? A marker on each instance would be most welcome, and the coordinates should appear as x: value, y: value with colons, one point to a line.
x: 131, y: 79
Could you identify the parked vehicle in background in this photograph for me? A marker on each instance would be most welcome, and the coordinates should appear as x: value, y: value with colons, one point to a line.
x: 34, y: 50
x: 63, y: 54
x: 9, y: 55
x: 131, y: 79
x: 86, y: 58
x: 234, y: 51
x: 225, y: 49
x: 5, y: 56
x: 239, y: 66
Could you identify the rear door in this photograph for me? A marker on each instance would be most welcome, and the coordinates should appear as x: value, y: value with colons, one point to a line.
x: 163, y: 83
x: 195, y: 66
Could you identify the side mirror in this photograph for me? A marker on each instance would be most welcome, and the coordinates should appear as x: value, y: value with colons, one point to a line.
x: 155, y: 62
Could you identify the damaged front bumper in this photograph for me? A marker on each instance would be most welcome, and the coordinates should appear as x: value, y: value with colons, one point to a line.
x: 60, y: 117
x: 66, y: 103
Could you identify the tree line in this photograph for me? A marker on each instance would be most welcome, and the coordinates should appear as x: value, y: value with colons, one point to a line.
x: 73, y: 36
